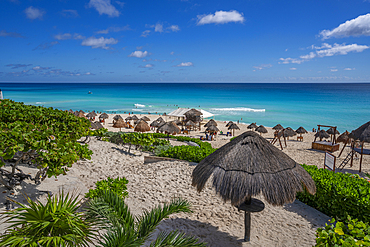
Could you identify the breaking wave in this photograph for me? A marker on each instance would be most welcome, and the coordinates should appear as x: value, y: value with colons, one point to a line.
x: 139, y: 105
x: 239, y: 109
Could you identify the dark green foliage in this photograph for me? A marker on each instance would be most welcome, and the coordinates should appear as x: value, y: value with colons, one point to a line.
x: 55, y: 223
x: 189, y: 153
x: 117, y: 185
x: 48, y: 134
x: 338, y: 195
x: 175, y: 238
x: 350, y: 233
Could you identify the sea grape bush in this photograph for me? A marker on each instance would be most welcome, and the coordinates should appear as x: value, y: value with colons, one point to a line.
x: 352, y: 232
x: 117, y: 185
x: 338, y: 195
x: 46, y: 136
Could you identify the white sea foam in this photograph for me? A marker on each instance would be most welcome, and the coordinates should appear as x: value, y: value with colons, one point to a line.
x: 40, y: 103
x: 239, y: 109
x: 139, y: 105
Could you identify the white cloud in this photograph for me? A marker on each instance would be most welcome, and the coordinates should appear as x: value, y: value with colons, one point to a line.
x: 4, y: 33
x: 69, y: 13
x: 158, y: 28
x: 359, y: 26
x: 174, y: 28
x: 45, y: 46
x: 104, y: 7
x: 114, y: 29
x: 65, y: 36
x: 172, y: 53
x: 326, y: 50
x: 333, y: 70
x: 99, y: 42
x: 293, y: 68
x: 139, y: 54
x: 145, y: 33
x: 262, y: 66
x: 186, y: 64
x: 221, y: 17
x: 34, y: 13
x: 349, y: 68
x: 39, y: 68
x: 121, y: 4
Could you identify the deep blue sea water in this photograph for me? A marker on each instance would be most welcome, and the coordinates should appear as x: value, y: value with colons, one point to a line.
x: 346, y: 105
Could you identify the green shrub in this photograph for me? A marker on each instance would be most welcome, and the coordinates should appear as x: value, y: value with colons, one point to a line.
x: 350, y: 233
x: 117, y: 186
x: 338, y: 195
x: 189, y: 153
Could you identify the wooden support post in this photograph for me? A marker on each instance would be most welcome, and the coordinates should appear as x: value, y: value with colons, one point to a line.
x: 353, y: 151
x: 247, y: 221
x: 280, y: 144
x: 345, y: 144
x: 362, y: 151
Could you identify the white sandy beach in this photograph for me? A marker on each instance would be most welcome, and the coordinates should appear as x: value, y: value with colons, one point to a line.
x: 213, y: 221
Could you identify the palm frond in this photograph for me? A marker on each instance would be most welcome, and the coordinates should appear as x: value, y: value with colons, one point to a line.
x: 175, y: 238
x: 150, y: 220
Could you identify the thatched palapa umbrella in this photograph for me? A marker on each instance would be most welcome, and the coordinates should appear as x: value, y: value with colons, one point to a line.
x: 129, y: 118
x: 210, y: 122
x: 289, y: 132
x: 134, y: 117
x: 233, y: 127
x: 190, y: 124
x: 362, y: 134
x: 321, y: 134
x: 229, y: 123
x: 155, y: 123
x: 104, y: 116
x: 145, y: 118
x: 80, y: 114
x: 96, y: 126
x: 142, y: 126
x: 278, y: 127
x: 169, y: 128
x: 333, y: 131
x: 160, y: 119
x: 91, y: 115
x: 120, y: 124
x: 344, y: 138
x: 116, y: 117
x: 212, y: 128
x: 248, y: 166
x: 261, y: 129
x: 252, y: 126
x: 301, y: 130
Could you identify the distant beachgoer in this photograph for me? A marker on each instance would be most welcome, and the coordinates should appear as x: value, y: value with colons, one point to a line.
x: 238, y: 121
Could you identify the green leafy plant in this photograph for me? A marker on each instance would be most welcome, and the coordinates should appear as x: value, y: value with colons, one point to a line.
x: 55, y: 223
x: 124, y: 229
x: 338, y: 195
x: 350, y: 233
x: 117, y: 185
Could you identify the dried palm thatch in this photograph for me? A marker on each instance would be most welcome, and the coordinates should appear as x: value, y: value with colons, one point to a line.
x: 301, y: 130
x: 343, y: 137
x: 160, y: 119
x: 82, y: 111
x: 248, y: 166
x: 129, y: 118
x: 170, y: 128
x: 116, y: 117
x: 261, y: 129
x: 134, y: 117
x: 278, y: 127
x: 91, y: 114
x: 331, y: 131
x: 233, y: 126
x: 96, y: 126
x: 190, y: 123
x: 289, y: 132
x: 142, y: 126
x: 155, y: 123
x: 177, y: 122
x: 210, y: 122
x: 252, y: 126
x: 212, y: 128
x: 138, y: 121
x: 362, y: 133
x: 120, y: 124
x: 80, y: 114
x: 229, y: 123
x: 71, y: 111
x: 322, y: 134
x: 104, y: 116
x: 145, y: 118
x: 193, y: 112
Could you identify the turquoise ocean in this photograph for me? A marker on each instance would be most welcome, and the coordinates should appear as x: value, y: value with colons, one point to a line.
x: 346, y: 105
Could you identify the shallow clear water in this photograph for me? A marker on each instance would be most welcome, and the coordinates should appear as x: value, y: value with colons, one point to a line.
x: 346, y: 105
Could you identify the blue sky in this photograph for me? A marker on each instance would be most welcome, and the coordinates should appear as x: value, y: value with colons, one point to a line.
x: 185, y: 41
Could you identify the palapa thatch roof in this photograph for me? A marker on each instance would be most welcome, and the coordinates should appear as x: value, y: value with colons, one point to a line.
x: 128, y: 118
x: 229, y: 123
x: 252, y: 126
x: 104, y: 116
x: 322, y: 134
x: 120, y: 124
x: 190, y: 123
x: 155, y: 123
x: 160, y: 119
x: 288, y: 132
x: 71, y: 111
x: 116, y: 117
x: 301, y: 130
x: 134, y: 117
x: 193, y: 112
x: 177, y: 122
x: 169, y: 127
x: 210, y: 122
x: 261, y: 129
x: 142, y: 126
x: 278, y: 127
x: 343, y: 137
x: 145, y: 118
x: 250, y: 165
x: 91, y: 114
x: 233, y: 126
x: 82, y: 111
x: 96, y: 126
x: 138, y: 121
x: 362, y: 133
x: 212, y: 128
x: 331, y: 131
x: 80, y: 114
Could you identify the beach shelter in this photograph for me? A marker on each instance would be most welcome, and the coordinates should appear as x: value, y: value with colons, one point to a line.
x: 210, y: 122
x: 116, y: 117
x: 155, y: 123
x: 169, y: 128
x: 321, y: 134
x: 91, y: 115
x: 96, y: 125
x: 71, y: 111
x: 129, y: 118
x: 233, y: 127
x: 332, y: 132
x: 249, y: 166
x: 160, y: 119
x: 212, y: 128
x: 82, y: 111
x: 252, y: 126
x: 80, y: 114
x: 289, y: 132
x: 120, y: 124
x: 142, y: 126
x: 344, y: 138
x: 301, y: 131
x: 104, y: 116
x: 190, y: 124
x: 361, y: 134
x: 229, y: 123
x: 278, y: 127
x: 145, y: 118
x: 261, y: 129
x: 134, y: 117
